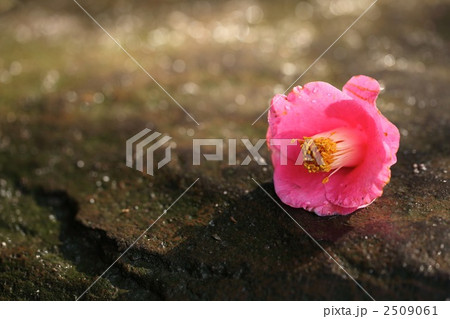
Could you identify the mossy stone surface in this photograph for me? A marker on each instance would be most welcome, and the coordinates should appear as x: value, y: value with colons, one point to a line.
x: 70, y: 98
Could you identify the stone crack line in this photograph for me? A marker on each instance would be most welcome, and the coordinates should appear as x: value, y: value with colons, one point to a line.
x: 137, y: 239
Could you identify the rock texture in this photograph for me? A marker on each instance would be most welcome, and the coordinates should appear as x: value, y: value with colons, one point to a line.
x: 69, y: 99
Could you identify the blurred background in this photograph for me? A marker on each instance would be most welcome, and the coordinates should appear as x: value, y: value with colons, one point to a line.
x: 70, y: 98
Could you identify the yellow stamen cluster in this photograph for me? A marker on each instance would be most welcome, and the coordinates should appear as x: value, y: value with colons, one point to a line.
x: 325, y: 147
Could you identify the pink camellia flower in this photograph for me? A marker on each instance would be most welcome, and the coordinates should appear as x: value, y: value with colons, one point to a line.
x: 331, y: 150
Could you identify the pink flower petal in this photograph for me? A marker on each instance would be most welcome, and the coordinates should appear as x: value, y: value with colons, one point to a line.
x: 301, y: 113
x: 360, y: 186
x: 364, y: 88
x: 318, y: 108
x: 298, y: 188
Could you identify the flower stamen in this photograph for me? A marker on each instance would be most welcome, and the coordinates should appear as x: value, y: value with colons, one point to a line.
x: 330, y: 151
x: 318, y: 154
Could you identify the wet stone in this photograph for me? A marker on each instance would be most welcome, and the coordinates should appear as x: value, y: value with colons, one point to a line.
x: 69, y: 100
